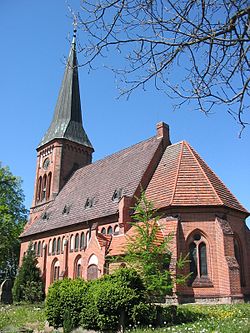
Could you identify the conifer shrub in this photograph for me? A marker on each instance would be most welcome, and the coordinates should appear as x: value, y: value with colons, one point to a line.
x: 28, y: 285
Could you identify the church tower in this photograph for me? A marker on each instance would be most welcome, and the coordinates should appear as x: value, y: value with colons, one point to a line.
x: 65, y: 146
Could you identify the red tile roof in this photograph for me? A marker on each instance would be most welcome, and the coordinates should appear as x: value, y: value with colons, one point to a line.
x: 182, y: 178
x: 99, y: 180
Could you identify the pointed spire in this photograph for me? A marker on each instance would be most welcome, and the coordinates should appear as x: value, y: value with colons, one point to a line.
x: 67, y: 120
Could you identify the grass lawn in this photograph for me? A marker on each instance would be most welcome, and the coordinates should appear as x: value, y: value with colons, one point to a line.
x: 216, y: 319
x: 15, y: 317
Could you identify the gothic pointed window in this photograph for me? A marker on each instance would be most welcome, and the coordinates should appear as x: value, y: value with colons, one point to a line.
x: 76, y: 242
x: 39, y: 249
x: 110, y: 230
x: 72, y: 243
x: 82, y: 241
x: 116, y: 230
x: 54, y: 247
x: 43, y: 194
x: 39, y: 189
x: 55, y: 270
x: 103, y: 231
x: 198, y: 262
x: 238, y: 257
x: 58, y: 246
x: 78, y: 267
x: 48, y: 186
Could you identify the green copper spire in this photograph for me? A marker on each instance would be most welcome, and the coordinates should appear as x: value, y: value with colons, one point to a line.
x: 67, y: 120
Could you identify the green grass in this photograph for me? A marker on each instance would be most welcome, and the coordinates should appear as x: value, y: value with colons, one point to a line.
x: 14, y: 317
x: 208, y: 319
x: 204, y: 319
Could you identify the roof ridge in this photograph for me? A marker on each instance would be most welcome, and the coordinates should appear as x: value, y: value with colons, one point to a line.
x: 118, y: 152
x: 229, y: 191
x: 177, y: 172
x: 204, y: 173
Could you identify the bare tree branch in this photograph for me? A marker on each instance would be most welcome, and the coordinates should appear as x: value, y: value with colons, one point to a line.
x: 194, y: 51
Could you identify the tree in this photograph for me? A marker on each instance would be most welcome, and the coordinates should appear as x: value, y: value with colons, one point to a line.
x: 149, y: 253
x: 12, y: 219
x: 195, y: 51
x: 28, y: 285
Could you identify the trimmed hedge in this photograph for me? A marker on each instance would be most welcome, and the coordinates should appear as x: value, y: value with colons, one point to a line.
x: 100, y: 304
x: 65, y: 299
x: 106, y: 304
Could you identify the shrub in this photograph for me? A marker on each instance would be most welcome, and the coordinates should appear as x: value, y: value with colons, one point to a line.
x: 110, y: 299
x: 28, y: 279
x: 144, y: 314
x: 65, y: 298
x: 33, y: 291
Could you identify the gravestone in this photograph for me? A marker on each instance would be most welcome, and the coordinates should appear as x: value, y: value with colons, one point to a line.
x: 6, y: 292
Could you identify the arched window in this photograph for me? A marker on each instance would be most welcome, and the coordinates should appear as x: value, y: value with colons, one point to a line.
x: 58, y: 246
x: 39, y: 249
x: 48, y: 186
x: 103, y: 231
x: 42, y: 248
x: 50, y: 247
x: 78, y: 267
x: 198, y: 257
x: 54, y: 246
x: 39, y: 188
x: 82, y: 241
x: 76, y: 242
x: 71, y: 243
x: 44, y: 187
x: 87, y: 238
x: 238, y: 257
x: 62, y: 247
x: 55, y: 270
x: 92, y: 272
x: 110, y: 230
x: 35, y: 248
x: 116, y: 230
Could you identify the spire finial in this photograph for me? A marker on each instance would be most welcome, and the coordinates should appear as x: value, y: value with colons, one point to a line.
x: 75, y: 26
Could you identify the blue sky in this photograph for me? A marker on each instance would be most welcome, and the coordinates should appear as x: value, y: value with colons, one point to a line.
x: 33, y: 46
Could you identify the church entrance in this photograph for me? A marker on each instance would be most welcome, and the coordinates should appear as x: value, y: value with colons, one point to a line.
x: 92, y: 272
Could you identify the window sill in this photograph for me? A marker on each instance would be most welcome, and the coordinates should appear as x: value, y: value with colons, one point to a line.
x: 201, y: 282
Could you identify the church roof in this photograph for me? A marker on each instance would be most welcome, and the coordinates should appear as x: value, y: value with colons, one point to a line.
x: 96, y: 183
x: 67, y: 119
x: 182, y: 178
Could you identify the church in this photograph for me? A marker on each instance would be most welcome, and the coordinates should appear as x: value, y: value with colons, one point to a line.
x: 81, y: 211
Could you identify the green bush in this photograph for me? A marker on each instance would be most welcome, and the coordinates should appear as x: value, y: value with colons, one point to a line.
x: 110, y: 299
x: 65, y: 296
x: 144, y: 314
x: 102, y: 304
x: 33, y: 291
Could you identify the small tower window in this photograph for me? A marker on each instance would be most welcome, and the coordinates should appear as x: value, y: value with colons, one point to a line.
x: 103, y: 231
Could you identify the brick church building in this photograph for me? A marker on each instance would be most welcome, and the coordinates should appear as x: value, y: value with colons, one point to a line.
x: 81, y: 210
